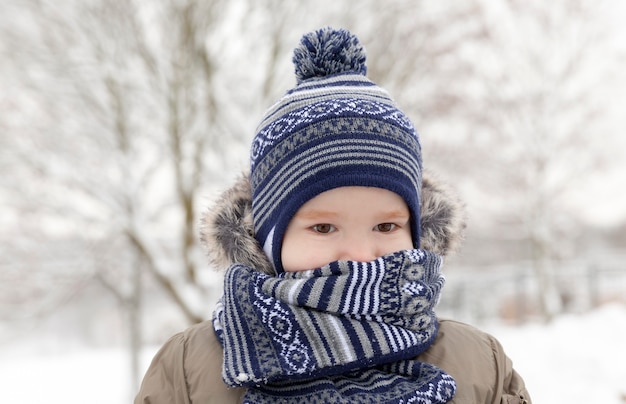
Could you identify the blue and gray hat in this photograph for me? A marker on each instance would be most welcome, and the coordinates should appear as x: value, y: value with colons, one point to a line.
x: 335, y: 128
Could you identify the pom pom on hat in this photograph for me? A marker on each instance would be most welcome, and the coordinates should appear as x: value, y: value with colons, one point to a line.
x: 327, y: 52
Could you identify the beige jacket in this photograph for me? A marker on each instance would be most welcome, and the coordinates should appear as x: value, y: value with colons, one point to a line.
x: 187, y: 369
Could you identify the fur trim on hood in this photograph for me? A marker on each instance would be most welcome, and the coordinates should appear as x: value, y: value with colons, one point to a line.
x: 227, y: 231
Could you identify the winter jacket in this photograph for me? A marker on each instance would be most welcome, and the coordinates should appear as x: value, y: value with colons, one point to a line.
x: 187, y: 369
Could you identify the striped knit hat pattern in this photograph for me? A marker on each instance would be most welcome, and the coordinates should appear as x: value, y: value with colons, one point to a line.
x: 335, y: 128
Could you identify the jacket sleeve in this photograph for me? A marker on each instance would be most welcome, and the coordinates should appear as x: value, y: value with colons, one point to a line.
x: 164, y: 381
x: 188, y: 370
x: 478, y: 363
x: 509, y: 384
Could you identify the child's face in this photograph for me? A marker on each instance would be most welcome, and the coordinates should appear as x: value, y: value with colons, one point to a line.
x: 347, y: 223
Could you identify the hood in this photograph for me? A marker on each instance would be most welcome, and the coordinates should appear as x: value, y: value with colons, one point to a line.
x: 227, y: 230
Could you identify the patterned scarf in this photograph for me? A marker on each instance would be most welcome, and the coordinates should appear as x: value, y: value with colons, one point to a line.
x: 344, y: 333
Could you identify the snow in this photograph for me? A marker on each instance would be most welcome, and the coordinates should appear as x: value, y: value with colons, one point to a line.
x: 86, y: 376
x: 576, y: 358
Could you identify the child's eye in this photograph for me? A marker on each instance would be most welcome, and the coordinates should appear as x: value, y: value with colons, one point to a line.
x: 323, y: 228
x: 385, y: 227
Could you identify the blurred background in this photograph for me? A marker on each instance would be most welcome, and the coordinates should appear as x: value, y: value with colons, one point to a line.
x: 121, y: 121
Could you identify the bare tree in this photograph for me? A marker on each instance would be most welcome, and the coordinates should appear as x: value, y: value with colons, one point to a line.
x: 124, y: 130
x: 536, y: 119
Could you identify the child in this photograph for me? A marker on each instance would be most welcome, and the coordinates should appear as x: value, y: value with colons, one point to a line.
x: 333, y: 245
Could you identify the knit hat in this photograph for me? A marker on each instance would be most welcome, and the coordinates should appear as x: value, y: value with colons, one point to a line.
x: 335, y: 128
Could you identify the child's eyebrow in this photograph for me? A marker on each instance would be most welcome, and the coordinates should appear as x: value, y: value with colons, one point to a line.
x: 312, y: 214
x: 395, y: 214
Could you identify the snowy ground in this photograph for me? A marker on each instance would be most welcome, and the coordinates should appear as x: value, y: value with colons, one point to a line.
x: 578, y: 358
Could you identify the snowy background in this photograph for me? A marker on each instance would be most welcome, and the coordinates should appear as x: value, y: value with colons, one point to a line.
x: 577, y: 358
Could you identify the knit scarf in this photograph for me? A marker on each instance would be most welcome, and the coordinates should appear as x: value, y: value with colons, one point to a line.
x: 344, y: 333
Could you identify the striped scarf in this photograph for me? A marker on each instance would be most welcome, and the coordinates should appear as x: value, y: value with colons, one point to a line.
x: 344, y: 333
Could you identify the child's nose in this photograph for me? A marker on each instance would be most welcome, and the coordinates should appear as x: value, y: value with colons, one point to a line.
x: 358, y: 250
